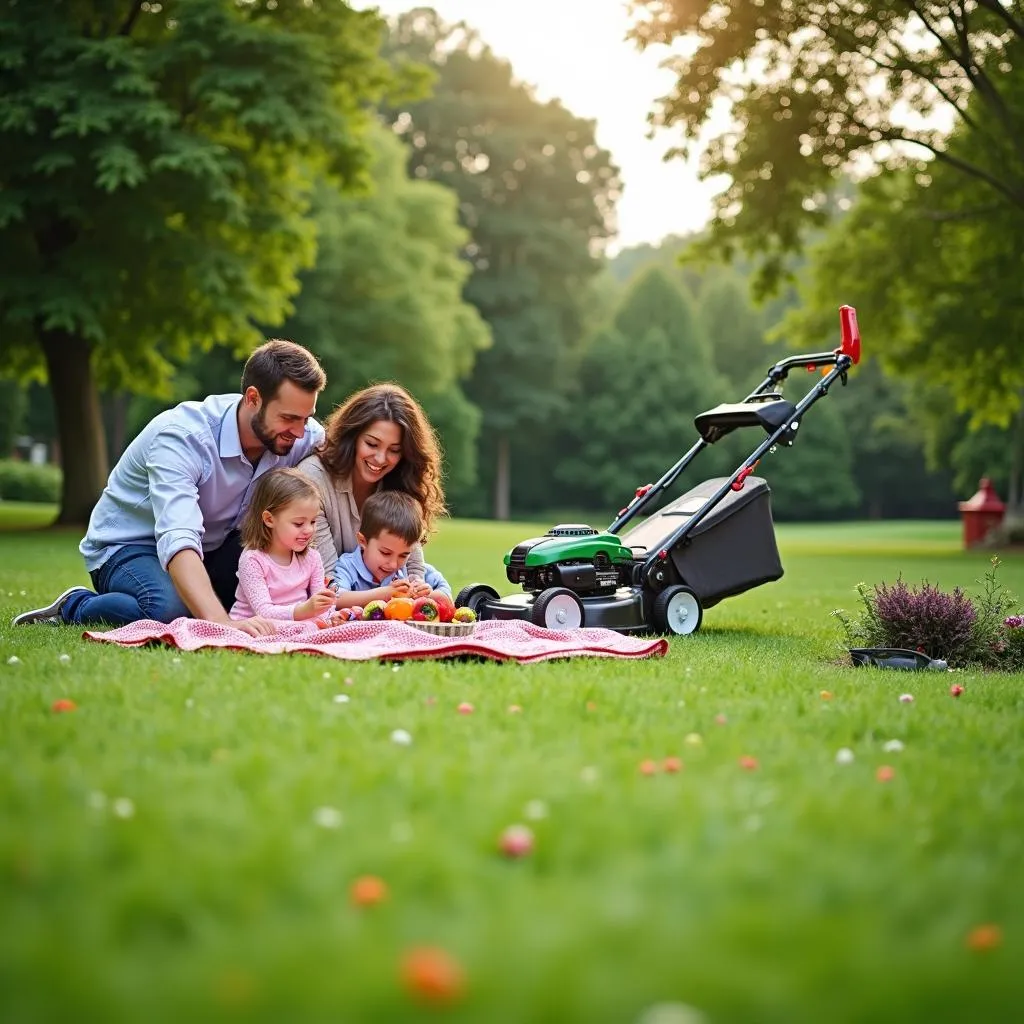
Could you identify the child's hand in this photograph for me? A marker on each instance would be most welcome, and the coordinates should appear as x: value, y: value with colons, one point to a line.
x: 418, y: 588
x: 400, y: 588
x: 320, y: 602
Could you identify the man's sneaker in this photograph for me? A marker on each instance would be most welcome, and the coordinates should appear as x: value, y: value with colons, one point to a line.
x: 51, y: 614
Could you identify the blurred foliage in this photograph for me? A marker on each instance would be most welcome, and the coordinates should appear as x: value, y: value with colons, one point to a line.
x: 537, y: 195
x: 817, y: 89
x: 23, y: 481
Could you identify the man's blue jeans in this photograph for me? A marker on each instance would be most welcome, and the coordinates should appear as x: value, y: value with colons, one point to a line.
x: 131, y: 585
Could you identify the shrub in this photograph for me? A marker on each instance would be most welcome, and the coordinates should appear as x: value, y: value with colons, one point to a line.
x: 24, y: 481
x: 950, y: 626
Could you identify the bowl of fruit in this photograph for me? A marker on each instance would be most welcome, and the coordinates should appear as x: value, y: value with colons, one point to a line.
x: 436, y: 613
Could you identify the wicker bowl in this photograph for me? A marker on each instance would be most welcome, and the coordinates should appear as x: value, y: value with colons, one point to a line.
x: 444, y: 628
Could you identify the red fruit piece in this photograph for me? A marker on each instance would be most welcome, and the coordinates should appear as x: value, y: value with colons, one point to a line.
x: 425, y: 609
x: 445, y: 605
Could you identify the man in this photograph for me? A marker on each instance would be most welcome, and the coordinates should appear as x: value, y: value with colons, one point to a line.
x: 162, y: 541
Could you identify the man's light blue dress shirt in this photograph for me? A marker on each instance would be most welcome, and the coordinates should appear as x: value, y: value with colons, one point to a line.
x: 184, y: 482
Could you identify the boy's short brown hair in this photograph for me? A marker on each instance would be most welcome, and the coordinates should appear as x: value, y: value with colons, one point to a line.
x: 395, y: 511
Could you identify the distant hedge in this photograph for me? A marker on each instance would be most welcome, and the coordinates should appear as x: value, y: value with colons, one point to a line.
x: 23, y: 481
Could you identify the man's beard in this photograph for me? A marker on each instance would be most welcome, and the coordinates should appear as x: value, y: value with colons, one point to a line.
x: 278, y: 444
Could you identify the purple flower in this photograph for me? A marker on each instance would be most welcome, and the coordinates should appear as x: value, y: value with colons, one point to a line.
x: 1014, y: 621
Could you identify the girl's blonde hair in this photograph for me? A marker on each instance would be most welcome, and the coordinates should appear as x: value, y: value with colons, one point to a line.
x: 274, y: 491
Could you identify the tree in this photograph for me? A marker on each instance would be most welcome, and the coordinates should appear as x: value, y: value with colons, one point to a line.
x: 817, y: 87
x: 640, y: 384
x: 536, y: 193
x: 384, y: 300
x: 940, y: 282
x: 158, y: 164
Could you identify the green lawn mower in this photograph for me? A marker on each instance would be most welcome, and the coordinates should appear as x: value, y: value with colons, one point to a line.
x: 715, y: 541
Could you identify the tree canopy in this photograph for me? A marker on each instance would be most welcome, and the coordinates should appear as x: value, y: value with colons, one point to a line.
x: 158, y: 165
x: 818, y: 88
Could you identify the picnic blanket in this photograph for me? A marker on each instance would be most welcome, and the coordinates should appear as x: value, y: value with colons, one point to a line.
x: 500, y: 640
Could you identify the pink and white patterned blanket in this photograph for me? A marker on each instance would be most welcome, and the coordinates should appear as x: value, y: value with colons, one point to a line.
x: 500, y: 640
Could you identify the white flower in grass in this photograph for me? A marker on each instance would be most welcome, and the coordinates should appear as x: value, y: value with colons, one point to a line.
x: 589, y: 774
x: 844, y: 755
x: 14, y: 660
x: 22, y: 592
x: 64, y: 659
x: 671, y: 1013
x: 401, y: 737
x: 175, y: 661
x: 535, y: 810
x: 892, y: 746
x: 341, y: 698
x: 327, y: 817
x: 693, y: 739
x: 327, y: 675
x: 906, y: 698
x: 124, y: 808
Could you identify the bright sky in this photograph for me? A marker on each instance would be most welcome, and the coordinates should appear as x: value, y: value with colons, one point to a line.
x: 575, y: 51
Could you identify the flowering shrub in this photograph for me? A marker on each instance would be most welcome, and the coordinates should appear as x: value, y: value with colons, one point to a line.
x: 1010, y: 646
x: 950, y: 626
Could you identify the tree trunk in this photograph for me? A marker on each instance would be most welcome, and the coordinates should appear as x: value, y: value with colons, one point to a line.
x: 501, y: 480
x: 79, y: 424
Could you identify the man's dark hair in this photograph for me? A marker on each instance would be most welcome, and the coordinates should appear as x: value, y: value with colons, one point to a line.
x: 277, y: 361
x: 395, y: 511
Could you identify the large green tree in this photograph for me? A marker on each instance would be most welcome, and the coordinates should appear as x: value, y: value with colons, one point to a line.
x: 816, y: 87
x: 157, y: 166
x: 938, y: 280
x: 640, y: 384
x: 384, y: 300
x: 536, y: 193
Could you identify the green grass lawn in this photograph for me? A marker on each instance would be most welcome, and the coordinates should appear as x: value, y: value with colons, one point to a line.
x: 161, y: 857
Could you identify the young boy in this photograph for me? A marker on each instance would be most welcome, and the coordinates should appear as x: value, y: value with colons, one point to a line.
x: 390, y: 523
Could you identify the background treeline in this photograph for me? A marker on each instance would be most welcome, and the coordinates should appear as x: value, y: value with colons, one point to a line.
x: 423, y: 218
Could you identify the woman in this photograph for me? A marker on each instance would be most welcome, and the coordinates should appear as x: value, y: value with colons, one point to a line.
x: 379, y: 437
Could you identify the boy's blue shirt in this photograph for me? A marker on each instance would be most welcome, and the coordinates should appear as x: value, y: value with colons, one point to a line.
x: 350, y: 573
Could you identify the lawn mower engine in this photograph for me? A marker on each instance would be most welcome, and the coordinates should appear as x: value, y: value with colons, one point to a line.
x: 572, y: 555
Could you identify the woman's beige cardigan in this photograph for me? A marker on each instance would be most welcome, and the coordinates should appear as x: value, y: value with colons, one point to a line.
x: 338, y: 522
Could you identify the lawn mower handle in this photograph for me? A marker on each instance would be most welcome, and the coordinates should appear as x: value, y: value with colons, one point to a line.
x: 843, y: 362
x: 848, y: 353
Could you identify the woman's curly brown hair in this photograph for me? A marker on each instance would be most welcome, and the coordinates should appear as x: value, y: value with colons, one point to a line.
x: 418, y: 472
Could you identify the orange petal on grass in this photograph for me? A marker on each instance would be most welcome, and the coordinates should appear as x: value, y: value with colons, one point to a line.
x: 672, y: 764
x: 748, y: 763
x: 63, y: 705
x: 885, y: 773
x: 984, y: 937
x: 647, y: 767
x: 433, y: 975
x: 368, y: 890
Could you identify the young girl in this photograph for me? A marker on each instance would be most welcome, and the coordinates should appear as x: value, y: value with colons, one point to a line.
x: 279, y: 575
